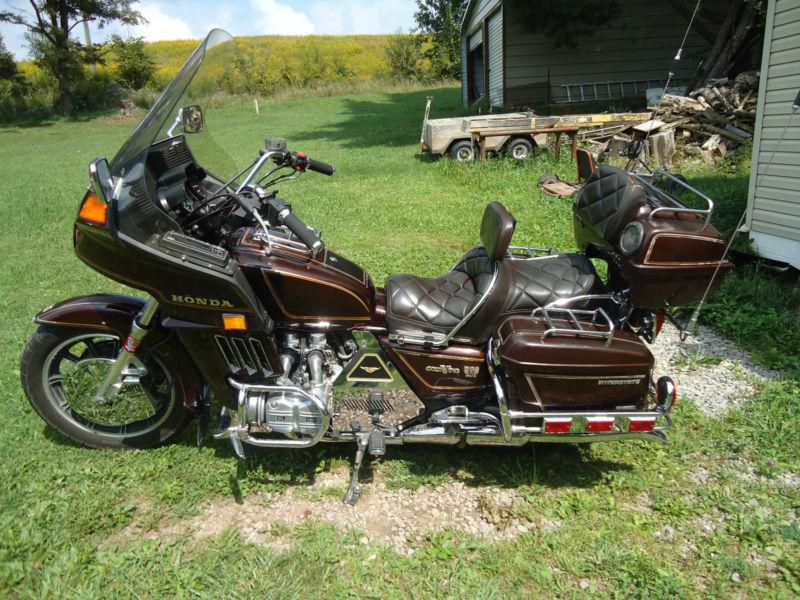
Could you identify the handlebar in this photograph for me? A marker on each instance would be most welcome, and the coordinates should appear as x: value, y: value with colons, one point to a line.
x: 299, y: 161
x: 306, y: 235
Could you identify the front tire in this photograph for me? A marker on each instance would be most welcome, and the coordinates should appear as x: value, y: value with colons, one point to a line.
x: 61, y: 369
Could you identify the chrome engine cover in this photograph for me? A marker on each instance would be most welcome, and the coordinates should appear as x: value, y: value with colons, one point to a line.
x: 371, y: 371
x: 286, y: 411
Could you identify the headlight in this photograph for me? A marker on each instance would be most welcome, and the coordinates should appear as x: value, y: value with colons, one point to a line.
x: 631, y: 238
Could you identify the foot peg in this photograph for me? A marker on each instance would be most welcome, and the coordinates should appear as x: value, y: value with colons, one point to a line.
x: 377, y: 443
x: 224, y: 430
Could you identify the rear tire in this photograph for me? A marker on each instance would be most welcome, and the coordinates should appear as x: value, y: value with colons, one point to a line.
x: 61, y: 370
x: 519, y: 148
x: 462, y: 151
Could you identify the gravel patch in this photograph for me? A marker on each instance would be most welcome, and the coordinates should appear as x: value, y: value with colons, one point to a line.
x: 401, y: 519
x: 708, y: 369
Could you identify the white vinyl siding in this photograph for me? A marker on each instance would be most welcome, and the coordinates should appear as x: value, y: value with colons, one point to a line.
x: 477, y: 12
x: 495, y: 53
x: 774, y: 199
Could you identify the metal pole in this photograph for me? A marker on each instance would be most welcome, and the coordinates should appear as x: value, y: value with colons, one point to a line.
x: 428, y: 101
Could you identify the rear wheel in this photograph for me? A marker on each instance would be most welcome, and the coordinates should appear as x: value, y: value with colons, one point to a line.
x: 63, y: 368
x: 462, y: 151
x: 519, y: 148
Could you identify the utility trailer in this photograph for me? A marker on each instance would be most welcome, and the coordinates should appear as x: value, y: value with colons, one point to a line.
x: 516, y: 134
x: 452, y: 136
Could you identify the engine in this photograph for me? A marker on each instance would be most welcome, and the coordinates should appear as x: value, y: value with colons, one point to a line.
x: 321, y: 383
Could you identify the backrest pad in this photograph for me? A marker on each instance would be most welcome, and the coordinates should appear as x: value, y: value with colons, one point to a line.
x: 608, y: 201
x: 497, y: 228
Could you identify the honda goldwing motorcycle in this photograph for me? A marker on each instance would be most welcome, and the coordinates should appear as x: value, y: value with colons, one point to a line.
x: 295, y: 342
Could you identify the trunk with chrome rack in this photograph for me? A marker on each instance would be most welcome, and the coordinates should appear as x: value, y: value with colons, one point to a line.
x: 572, y: 375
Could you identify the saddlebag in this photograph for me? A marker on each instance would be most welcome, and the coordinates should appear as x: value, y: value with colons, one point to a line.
x: 572, y: 360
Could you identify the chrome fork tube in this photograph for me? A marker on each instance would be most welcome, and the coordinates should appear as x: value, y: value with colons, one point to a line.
x: 505, y: 416
x: 139, y: 328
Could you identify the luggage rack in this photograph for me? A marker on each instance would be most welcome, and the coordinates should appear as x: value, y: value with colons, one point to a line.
x: 573, y: 318
x: 527, y: 252
x: 673, y: 204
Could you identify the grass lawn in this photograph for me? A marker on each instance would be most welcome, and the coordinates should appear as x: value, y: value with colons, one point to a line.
x: 712, y: 514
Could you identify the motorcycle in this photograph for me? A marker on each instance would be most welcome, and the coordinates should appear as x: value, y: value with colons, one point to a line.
x: 249, y: 306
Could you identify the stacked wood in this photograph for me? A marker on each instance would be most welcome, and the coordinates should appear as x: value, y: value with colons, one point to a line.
x: 714, y: 118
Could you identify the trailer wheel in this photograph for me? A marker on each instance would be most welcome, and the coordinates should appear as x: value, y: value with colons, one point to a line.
x: 519, y: 148
x: 462, y: 151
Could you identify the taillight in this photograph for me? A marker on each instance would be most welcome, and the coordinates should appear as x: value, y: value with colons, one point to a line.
x: 599, y: 424
x: 660, y: 317
x: 93, y: 209
x: 642, y: 424
x: 558, y: 425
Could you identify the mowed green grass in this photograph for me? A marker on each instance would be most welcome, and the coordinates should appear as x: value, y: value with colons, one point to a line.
x: 391, y: 212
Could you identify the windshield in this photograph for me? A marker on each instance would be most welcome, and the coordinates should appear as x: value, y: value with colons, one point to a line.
x: 197, y: 79
x: 142, y: 190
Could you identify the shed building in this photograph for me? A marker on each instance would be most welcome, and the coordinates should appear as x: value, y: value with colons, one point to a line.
x: 505, y: 61
x: 773, y: 208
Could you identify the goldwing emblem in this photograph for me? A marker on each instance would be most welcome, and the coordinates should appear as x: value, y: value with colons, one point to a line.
x: 370, y: 370
x: 471, y: 372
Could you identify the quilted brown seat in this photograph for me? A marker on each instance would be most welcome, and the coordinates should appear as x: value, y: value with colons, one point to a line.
x: 420, y: 305
x: 540, y: 281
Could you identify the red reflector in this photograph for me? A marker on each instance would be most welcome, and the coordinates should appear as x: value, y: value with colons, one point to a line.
x: 599, y: 424
x: 642, y: 424
x: 558, y: 425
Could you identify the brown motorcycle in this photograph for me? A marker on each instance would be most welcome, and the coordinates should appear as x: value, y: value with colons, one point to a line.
x: 247, y: 305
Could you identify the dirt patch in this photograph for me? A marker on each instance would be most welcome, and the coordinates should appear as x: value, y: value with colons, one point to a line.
x: 402, y: 519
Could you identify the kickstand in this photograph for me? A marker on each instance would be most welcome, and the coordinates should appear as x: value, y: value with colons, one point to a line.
x: 354, y: 490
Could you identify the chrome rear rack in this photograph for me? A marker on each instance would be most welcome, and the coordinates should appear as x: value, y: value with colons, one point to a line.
x: 577, y: 322
x: 674, y: 205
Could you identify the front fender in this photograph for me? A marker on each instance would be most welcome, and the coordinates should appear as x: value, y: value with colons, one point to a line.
x: 114, y: 313
x: 103, y: 312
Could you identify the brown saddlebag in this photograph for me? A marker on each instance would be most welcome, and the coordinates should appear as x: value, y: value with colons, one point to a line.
x: 552, y: 365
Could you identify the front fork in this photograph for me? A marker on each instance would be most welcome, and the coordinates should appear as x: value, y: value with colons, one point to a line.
x: 139, y: 328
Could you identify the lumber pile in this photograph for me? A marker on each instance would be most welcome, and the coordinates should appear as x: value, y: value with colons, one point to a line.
x: 714, y: 118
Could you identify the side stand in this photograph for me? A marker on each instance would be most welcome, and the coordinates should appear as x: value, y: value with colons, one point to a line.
x: 354, y: 490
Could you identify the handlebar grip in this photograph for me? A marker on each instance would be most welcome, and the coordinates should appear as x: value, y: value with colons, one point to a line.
x: 320, y: 167
x: 302, y: 231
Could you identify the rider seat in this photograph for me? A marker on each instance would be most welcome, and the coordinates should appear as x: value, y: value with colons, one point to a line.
x: 486, y: 283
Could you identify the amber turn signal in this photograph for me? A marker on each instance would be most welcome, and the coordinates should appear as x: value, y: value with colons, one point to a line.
x: 93, y: 209
x: 233, y: 322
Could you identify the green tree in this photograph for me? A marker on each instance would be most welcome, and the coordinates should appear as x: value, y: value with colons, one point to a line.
x: 441, y: 19
x: 403, y: 55
x: 8, y: 66
x: 50, y: 23
x: 135, y: 66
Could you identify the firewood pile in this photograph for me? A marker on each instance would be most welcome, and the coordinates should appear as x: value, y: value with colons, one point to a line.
x: 716, y: 117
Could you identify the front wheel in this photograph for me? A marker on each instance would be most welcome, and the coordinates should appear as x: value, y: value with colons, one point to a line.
x: 61, y: 371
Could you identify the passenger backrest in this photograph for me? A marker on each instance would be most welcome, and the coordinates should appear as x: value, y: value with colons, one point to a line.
x: 497, y: 228
x: 608, y: 201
